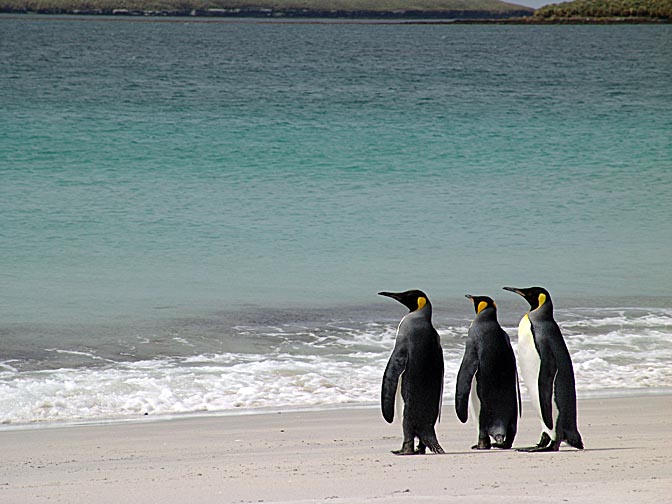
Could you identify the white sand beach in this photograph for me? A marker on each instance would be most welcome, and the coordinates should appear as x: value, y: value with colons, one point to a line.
x: 339, y: 456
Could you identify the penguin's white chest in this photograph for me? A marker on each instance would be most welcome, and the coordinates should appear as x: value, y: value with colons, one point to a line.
x: 530, y: 364
x: 474, y: 402
x: 529, y: 360
x: 399, y: 401
x: 527, y: 352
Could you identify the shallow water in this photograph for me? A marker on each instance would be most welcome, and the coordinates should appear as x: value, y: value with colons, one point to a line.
x: 197, y: 216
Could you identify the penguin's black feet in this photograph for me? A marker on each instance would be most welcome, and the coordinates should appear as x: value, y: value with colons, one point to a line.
x: 543, y: 443
x: 483, y: 444
x: 553, y: 447
x: 575, y: 442
x: 406, y: 449
x: 436, y: 448
x: 429, y: 441
x: 538, y: 449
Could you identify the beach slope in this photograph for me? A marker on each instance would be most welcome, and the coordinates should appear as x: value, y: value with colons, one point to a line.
x: 339, y: 456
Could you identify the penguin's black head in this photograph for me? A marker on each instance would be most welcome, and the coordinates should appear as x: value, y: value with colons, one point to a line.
x: 536, y: 296
x: 411, y: 299
x: 481, y: 302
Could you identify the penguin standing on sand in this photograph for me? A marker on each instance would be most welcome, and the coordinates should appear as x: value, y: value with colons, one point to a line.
x: 547, y: 370
x: 416, y: 367
x: 487, y: 382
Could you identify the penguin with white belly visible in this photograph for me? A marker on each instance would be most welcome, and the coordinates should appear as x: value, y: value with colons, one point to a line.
x: 416, y: 362
x: 487, y: 382
x: 547, y: 370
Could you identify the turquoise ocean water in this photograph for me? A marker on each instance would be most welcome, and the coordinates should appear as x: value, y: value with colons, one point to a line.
x: 196, y: 216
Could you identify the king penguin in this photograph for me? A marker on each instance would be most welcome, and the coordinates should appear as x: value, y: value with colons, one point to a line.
x: 488, y: 380
x: 547, y: 370
x: 416, y: 362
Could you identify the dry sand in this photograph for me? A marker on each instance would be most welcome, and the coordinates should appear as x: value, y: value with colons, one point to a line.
x: 339, y: 456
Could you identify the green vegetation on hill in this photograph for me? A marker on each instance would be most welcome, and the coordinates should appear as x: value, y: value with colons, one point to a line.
x: 596, y: 9
x: 474, y: 10
x: 375, y: 5
x: 335, y: 8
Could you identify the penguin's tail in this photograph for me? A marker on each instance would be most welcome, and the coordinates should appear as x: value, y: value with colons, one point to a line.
x: 498, y: 431
x: 574, y: 439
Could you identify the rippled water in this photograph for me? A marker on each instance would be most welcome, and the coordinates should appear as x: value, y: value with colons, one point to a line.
x: 197, y: 216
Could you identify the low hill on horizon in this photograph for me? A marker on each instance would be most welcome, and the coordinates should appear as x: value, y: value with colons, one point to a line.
x: 278, y: 8
x: 465, y: 11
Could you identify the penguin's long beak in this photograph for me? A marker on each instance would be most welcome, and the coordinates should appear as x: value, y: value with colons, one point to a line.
x: 392, y: 295
x: 513, y: 289
x: 469, y: 296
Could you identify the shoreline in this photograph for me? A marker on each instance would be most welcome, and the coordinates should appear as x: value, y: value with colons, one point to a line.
x: 448, y: 403
x: 340, y: 456
x: 324, y: 18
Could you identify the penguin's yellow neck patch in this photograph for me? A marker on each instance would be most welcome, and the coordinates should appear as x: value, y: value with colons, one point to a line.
x: 422, y: 301
x: 481, y: 306
x: 542, y: 300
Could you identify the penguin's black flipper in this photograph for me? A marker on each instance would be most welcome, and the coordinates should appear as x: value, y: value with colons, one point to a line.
x: 395, y: 366
x: 547, y: 372
x: 465, y: 375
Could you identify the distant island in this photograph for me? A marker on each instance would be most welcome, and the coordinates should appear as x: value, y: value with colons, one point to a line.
x: 390, y: 9
x: 614, y: 10
x: 460, y: 11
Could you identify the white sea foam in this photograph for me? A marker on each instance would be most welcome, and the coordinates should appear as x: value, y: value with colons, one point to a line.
x: 304, y: 367
x: 211, y: 383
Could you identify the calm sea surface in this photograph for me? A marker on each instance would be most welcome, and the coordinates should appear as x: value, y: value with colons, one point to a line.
x: 196, y: 216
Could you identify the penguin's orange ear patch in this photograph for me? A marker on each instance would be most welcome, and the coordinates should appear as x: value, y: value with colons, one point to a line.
x: 542, y: 299
x: 481, y: 306
x: 422, y: 301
